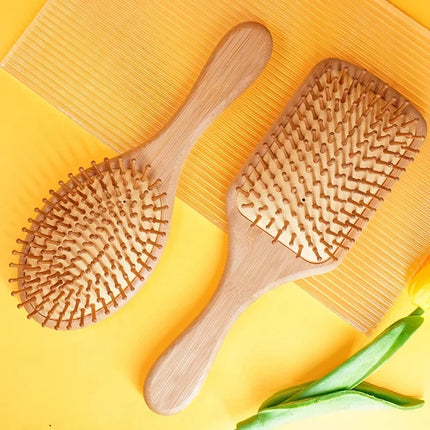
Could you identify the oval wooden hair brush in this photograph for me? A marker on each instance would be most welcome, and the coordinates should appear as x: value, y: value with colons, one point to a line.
x: 99, y: 236
x: 297, y: 206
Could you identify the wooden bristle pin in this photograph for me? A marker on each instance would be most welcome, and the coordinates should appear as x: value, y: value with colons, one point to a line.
x: 99, y: 236
x: 325, y: 126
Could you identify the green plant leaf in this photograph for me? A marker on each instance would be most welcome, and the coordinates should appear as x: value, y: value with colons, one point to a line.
x: 343, y: 388
x: 344, y: 400
x: 283, y: 396
x: 390, y: 396
x: 364, y: 362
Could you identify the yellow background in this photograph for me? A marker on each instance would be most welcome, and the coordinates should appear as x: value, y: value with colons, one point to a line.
x: 93, y: 378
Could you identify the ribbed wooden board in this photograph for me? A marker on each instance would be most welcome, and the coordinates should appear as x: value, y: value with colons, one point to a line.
x: 121, y: 68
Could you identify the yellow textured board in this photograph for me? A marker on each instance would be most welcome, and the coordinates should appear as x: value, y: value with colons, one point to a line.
x: 121, y: 69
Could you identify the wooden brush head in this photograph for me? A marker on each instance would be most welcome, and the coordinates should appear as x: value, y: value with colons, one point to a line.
x: 91, y: 245
x: 329, y: 160
x: 94, y: 243
x: 296, y: 207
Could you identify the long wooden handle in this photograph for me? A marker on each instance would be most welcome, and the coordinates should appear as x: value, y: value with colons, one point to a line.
x: 235, y: 63
x: 254, y: 265
x: 179, y: 373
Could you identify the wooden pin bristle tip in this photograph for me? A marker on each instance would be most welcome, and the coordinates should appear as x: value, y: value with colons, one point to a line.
x: 346, y: 126
x: 80, y: 235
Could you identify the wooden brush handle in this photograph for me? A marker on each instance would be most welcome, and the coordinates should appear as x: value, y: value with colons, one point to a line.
x: 179, y: 373
x: 254, y: 266
x: 236, y: 62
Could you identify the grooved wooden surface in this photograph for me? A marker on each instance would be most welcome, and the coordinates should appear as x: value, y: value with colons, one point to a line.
x: 121, y: 69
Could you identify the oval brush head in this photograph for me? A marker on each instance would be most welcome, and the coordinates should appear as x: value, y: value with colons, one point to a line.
x: 94, y: 239
x: 318, y: 176
x: 98, y: 237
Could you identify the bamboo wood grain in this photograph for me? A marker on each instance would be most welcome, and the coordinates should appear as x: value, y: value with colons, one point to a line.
x: 236, y: 62
x: 297, y: 206
x: 62, y: 288
x: 254, y: 266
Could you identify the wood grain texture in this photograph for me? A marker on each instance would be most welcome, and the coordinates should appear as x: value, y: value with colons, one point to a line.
x: 97, y: 239
x: 297, y: 205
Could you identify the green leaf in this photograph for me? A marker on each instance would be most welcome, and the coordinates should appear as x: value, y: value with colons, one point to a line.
x: 364, y: 362
x: 288, y: 412
x: 343, y: 388
x: 389, y: 396
x: 283, y: 396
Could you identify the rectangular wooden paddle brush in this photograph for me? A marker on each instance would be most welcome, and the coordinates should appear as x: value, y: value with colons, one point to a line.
x: 297, y: 206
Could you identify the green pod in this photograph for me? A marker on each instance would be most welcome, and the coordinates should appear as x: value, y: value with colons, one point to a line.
x: 396, y: 399
x: 380, y: 393
x: 288, y: 412
x: 283, y: 396
x: 357, y: 368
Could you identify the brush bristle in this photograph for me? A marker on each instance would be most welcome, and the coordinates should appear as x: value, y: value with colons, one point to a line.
x: 316, y: 181
x: 90, y: 245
